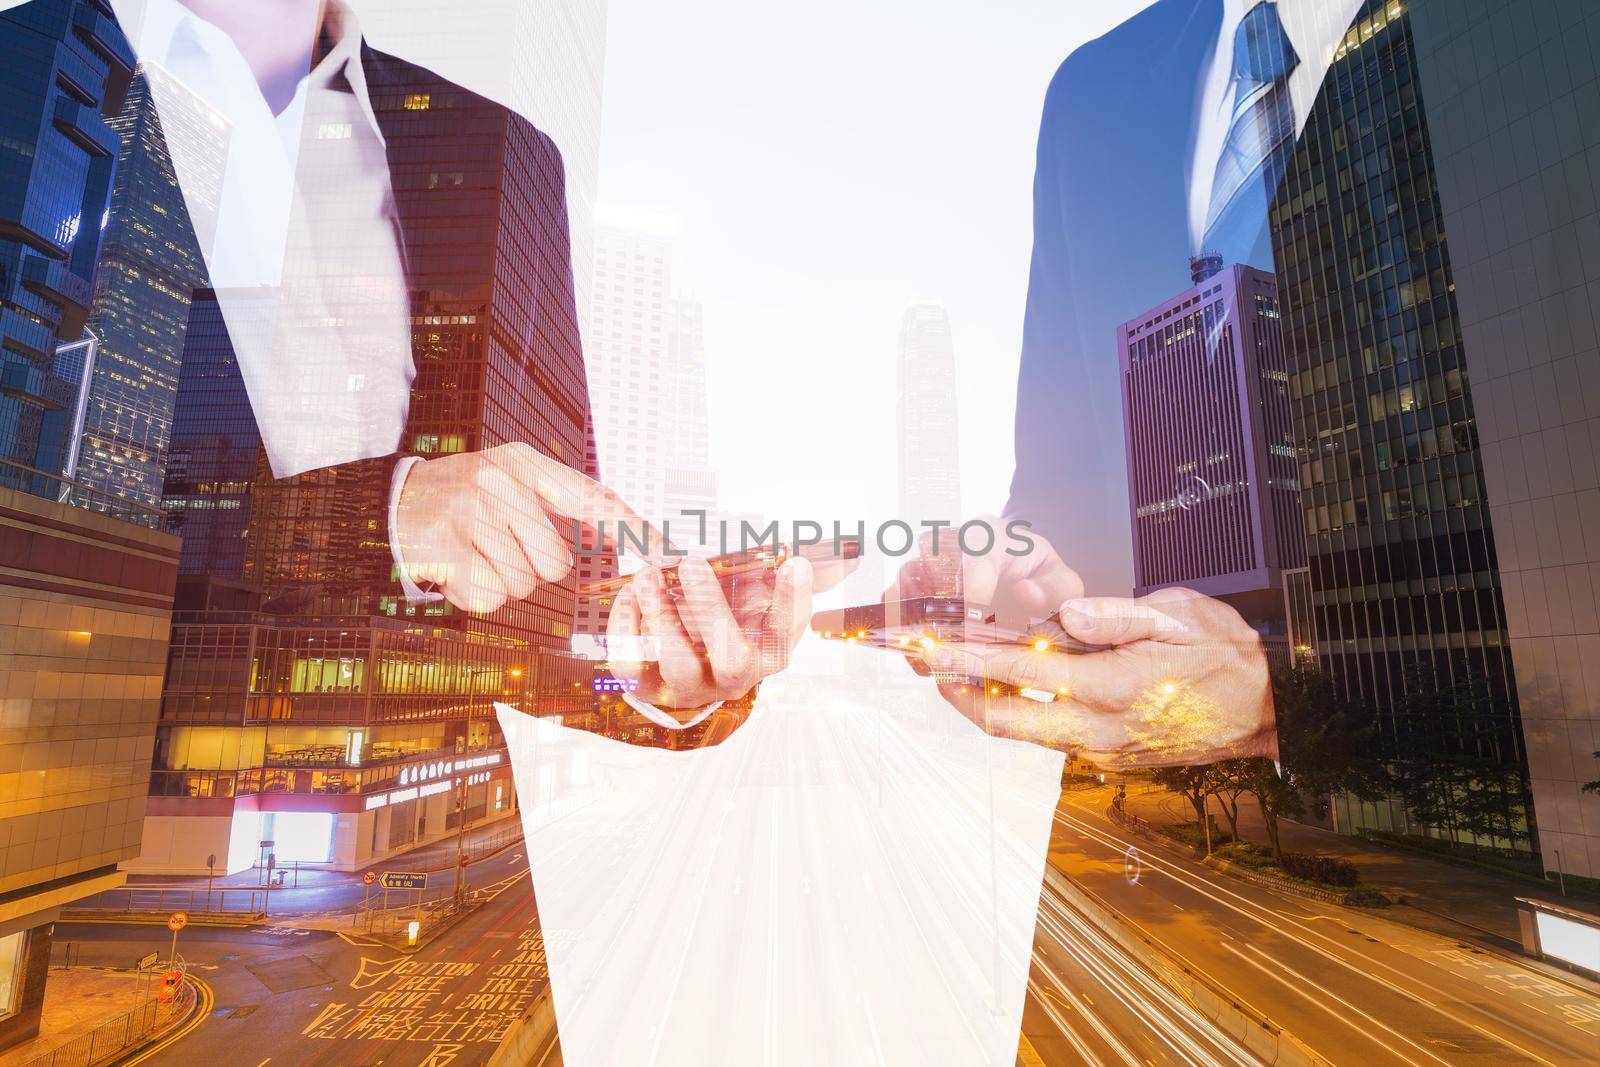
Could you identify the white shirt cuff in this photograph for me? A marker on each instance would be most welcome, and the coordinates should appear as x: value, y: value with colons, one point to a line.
x: 415, y: 594
x: 662, y: 719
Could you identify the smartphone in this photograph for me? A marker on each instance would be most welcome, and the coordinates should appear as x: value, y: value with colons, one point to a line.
x: 915, y: 627
x: 899, y: 625
x: 734, y: 566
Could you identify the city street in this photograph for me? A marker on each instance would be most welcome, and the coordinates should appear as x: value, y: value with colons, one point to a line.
x: 304, y: 997
x: 1352, y: 985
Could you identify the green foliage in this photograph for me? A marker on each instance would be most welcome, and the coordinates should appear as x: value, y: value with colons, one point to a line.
x: 1324, y: 870
x: 1469, y: 783
x: 1366, y: 896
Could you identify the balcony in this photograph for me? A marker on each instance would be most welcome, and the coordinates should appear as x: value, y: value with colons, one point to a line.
x: 104, y: 36
x: 51, y: 279
x: 84, y: 126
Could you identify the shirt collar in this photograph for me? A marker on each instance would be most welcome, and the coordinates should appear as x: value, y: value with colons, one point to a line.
x: 159, y: 27
x: 340, y: 23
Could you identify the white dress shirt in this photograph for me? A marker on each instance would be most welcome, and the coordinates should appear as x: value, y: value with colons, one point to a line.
x: 1315, y: 28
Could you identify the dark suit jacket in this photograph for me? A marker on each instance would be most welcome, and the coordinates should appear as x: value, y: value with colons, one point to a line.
x: 1111, y: 240
x: 481, y: 199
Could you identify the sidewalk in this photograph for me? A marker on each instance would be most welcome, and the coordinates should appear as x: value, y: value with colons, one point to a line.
x: 76, y: 1000
x: 1441, y: 897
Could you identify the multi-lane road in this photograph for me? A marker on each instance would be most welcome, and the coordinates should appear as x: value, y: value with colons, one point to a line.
x: 1351, y: 985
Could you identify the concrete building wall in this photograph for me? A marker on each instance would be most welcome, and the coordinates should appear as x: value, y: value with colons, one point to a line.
x: 85, y: 614
x: 1512, y: 93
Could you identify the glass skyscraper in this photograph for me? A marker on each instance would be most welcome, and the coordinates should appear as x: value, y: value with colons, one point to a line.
x: 211, y: 462
x: 302, y: 685
x: 150, y: 263
x: 67, y: 69
x: 1401, y: 554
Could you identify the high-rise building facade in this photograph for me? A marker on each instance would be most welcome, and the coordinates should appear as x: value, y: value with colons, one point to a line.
x: 1400, y: 547
x: 150, y: 263
x: 66, y: 72
x: 928, y: 421
x: 214, y: 449
x: 85, y: 610
x: 1211, y: 470
x: 307, y: 701
x: 928, y: 432
x: 647, y: 374
x: 1512, y: 103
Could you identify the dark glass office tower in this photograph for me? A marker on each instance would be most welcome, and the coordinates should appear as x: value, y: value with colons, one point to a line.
x: 495, y: 343
x: 215, y: 446
x: 66, y: 71
x: 1408, y: 614
x: 306, y: 701
x: 150, y: 263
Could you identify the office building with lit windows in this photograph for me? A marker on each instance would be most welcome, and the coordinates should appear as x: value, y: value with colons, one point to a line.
x: 67, y: 70
x: 1514, y: 134
x: 150, y: 264
x: 1402, y: 554
x: 1211, y: 472
x: 308, y: 703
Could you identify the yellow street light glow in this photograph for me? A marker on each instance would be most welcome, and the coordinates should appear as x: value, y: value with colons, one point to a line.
x: 929, y: 642
x: 1169, y: 689
x: 84, y: 633
x: 1041, y: 644
x: 516, y: 672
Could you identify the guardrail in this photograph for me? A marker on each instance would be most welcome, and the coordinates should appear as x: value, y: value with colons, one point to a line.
x: 232, y: 901
x: 109, y: 1041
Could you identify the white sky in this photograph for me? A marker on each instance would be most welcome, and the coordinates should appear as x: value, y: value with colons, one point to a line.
x: 828, y: 164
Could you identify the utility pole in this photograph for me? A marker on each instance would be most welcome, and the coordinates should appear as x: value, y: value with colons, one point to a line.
x: 461, y: 841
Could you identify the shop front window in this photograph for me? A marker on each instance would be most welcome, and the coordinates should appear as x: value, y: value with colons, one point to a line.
x: 13, y: 949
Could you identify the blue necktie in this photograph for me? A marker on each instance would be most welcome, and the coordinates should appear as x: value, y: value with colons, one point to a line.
x: 1263, y: 123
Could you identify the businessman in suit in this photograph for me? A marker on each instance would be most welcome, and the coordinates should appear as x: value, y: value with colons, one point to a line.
x: 348, y: 213
x: 1163, y: 139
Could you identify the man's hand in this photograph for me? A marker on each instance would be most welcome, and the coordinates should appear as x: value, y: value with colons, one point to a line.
x: 687, y: 652
x: 488, y: 527
x: 1182, y: 679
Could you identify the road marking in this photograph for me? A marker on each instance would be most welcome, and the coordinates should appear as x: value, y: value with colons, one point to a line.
x: 1278, y: 965
x: 207, y: 1001
x: 358, y: 942
x: 1027, y: 1056
x: 1279, y: 921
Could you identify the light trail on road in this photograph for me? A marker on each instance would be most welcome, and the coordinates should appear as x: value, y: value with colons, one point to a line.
x: 1352, y: 988
x: 1155, y: 1014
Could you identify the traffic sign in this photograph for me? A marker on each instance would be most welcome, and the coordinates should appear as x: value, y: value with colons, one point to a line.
x: 402, y: 880
x: 178, y: 921
x: 368, y: 877
x: 148, y: 960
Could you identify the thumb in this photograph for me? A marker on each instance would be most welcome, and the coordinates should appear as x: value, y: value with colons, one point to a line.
x: 1107, y: 620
